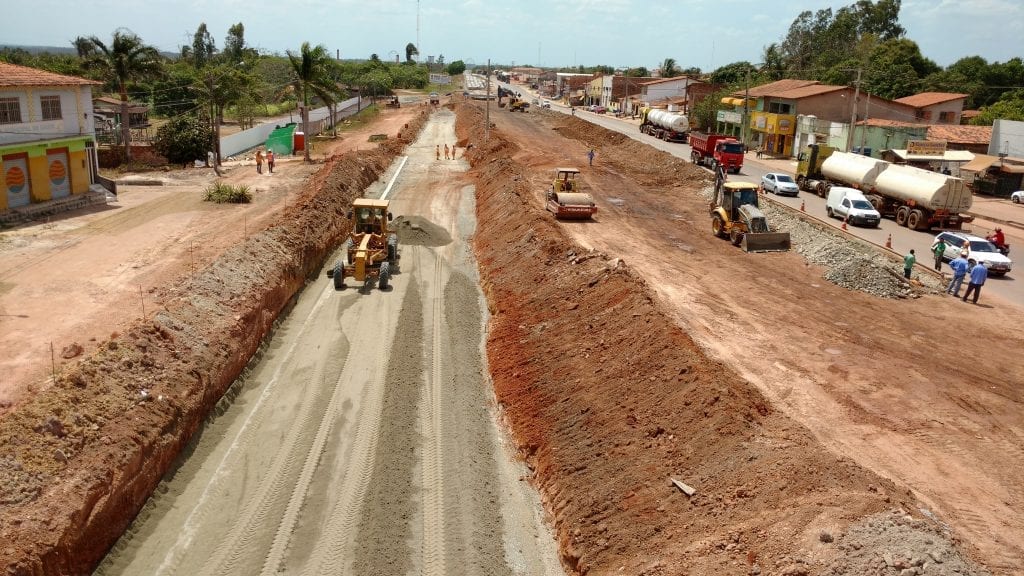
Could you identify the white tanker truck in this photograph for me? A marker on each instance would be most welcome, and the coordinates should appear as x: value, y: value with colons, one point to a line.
x: 668, y: 126
x: 916, y: 198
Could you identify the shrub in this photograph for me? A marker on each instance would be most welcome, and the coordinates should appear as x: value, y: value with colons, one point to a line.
x: 221, y: 193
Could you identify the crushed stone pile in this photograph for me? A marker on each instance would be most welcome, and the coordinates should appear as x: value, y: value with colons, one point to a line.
x: 418, y: 231
x: 895, y: 543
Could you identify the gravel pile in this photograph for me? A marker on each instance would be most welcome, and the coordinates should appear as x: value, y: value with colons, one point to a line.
x: 896, y: 544
x: 849, y: 264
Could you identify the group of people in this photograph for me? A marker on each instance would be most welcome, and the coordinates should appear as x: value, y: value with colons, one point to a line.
x: 963, y: 267
x: 447, y: 155
x: 259, y: 161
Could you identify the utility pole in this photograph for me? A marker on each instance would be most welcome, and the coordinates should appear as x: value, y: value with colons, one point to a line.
x: 417, y: 27
x: 864, y: 130
x: 487, y: 104
x: 746, y: 110
x: 853, y: 115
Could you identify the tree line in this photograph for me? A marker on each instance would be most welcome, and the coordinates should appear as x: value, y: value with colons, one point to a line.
x: 196, y: 88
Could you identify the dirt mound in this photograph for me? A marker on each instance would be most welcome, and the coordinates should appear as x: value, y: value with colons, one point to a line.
x: 78, y: 460
x: 608, y: 400
x: 418, y: 231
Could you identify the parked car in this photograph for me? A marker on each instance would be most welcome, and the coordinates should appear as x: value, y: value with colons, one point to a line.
x: 600, y: 109
x: 1017, y: 197
x: 978, y: 248
x: 782, y: 184
x: 851, y: 204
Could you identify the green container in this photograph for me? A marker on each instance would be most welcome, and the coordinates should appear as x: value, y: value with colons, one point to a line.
x: 280, y: 140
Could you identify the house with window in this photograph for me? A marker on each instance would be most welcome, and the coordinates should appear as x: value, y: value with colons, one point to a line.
x: 935, y: 107
x: 671, y: 93
x: 47, y: 143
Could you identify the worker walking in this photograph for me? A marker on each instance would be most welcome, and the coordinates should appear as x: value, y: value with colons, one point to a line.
x: 446, y: 152
x: 437, y: 150
x: 590, y: 155
x: 978, y: 275
x: 908, y: 264
x: 270, y: 161
x: 938, y: 249
x: 259, y: 162
x: 959, y: 266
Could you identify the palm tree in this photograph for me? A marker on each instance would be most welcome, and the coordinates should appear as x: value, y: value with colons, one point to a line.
x: 669, y: 68
x: 312, y: 77
x: 83, y: 46
x: 127, y: 58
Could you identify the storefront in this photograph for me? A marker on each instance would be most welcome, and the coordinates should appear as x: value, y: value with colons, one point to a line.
x: 773, y: 133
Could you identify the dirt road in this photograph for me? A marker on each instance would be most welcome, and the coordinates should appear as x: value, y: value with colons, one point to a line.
x: 922, y: 392
x: 363, y: 441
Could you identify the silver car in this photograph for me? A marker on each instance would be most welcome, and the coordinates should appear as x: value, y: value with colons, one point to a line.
x: 978, y: 248
x: 781, y: 184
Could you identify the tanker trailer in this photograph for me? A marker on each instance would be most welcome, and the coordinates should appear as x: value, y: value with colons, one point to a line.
x: 668, y: 126
x: 853, y: 170
x: 920, y: 199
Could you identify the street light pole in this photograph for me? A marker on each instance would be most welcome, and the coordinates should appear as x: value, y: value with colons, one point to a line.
x: 487, y: 104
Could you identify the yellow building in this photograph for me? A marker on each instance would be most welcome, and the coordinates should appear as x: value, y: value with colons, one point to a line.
x: 47, y: 137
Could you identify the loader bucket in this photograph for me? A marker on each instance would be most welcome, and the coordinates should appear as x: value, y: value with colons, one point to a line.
x: 765, y: 242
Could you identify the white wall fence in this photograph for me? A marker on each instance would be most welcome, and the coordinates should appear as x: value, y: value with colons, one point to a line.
x: 319, y: 119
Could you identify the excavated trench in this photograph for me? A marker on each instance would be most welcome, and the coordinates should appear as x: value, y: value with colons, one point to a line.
x: 78, y: 461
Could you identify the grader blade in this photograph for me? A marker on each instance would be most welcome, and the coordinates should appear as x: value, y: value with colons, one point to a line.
x: 765, y: 242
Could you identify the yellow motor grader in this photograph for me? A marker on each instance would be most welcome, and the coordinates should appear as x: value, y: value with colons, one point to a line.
x: 735, y: 215
x: 371, y: 251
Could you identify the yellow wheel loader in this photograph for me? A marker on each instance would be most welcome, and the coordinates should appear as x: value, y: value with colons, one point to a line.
x: 371, y: 251
x: 735, y: 215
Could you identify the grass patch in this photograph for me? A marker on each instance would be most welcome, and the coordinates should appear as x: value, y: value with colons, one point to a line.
x: 225, y: 193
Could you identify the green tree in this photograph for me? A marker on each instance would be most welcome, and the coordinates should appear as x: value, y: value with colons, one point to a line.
x: 217, y: 87
x: 203, y: 46
x: 410, y: 51
x: 173, y: 93
x: 234, y: 43
x: 638, y: 72
x: 737, y: 74
x: 704, y: 114
x: 375, y: 82
x: 669, y: 68
x: 896, y: 69
x: 183, y: 139
x: 312, y: 77
x: 457, y: 67
x: 1009, y: 107
x: 126, y: 59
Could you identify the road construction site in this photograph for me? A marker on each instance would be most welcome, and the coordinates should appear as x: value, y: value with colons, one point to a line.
x: 626, y: 394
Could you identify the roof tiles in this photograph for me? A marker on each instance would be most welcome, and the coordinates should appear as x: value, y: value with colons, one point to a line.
x: 14, y: 75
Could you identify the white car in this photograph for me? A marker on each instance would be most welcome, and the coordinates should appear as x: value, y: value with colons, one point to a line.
x: 781, y: 184
x: 1017, y: 197
x: 979, y: 249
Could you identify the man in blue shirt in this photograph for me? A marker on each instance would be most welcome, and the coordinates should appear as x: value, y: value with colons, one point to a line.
x: 978, y: 275
x: 959, y: 266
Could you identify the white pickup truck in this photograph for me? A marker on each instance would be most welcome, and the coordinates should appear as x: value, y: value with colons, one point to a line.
x: 851, y: 205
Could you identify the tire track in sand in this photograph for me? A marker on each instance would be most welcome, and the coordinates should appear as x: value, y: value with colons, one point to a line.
x: 433, y: 463
x: 240, y: 445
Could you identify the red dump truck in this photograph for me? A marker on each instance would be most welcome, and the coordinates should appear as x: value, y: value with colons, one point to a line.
x: 713, y: 150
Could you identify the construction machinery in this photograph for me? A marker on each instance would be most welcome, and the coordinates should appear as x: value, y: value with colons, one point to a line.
x: 735, y: 215
x: 393, y: 103
x: 516, y: 104
x: 714, y: 150
x: 566, y: 199
x: 668, y: 126
x: 371, y: 251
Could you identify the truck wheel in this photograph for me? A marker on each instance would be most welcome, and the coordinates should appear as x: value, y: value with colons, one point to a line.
x: 383, y: 276
x: 717, y: 226
x: 736, y: 237
x: 822, y: 190
x: 694, y: 158
x: 901, y: 216
x: 339, y: 275
x: 392, y: 248
x: 914, y: 219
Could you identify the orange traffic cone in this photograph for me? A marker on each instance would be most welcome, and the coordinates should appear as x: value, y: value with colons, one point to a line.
x: 802, y: 206
x: 844, y: 224
x: 888, y: 242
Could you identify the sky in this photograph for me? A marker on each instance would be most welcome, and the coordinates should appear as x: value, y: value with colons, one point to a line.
x: 619, y: 33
